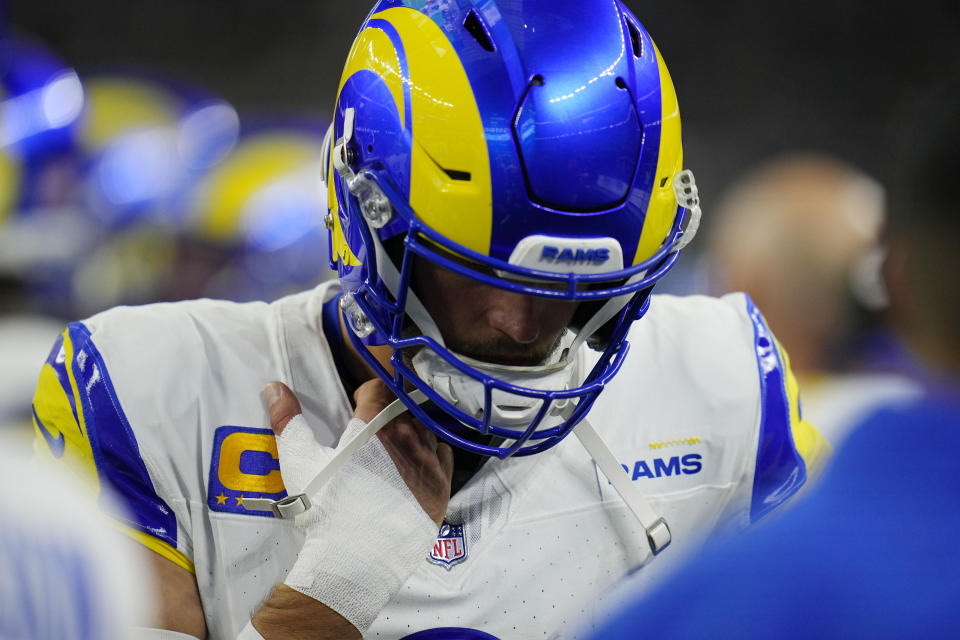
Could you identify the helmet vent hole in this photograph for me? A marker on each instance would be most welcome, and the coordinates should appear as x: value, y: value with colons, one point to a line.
x: 634, y: 38
x: 453, y: 174
x: 457, y: 175
x: 621, y: 83
x: 663, y: 181
x: 478, y: 30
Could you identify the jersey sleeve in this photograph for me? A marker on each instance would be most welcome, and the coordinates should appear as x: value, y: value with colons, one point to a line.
x: 789, y: 449
x: 79, y: 423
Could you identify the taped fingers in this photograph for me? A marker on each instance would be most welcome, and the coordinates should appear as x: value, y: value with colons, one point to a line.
x: 301, y: 456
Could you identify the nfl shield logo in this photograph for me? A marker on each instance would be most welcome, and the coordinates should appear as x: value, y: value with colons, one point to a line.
x: 451, y: 546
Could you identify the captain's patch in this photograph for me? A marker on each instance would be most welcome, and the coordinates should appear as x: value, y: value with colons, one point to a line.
x: 245, y: 464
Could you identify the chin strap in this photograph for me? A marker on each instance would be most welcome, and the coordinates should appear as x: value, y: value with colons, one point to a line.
x: 658, y: 532
x: 292, y: 506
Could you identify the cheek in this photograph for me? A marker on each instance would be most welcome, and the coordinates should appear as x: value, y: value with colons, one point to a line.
x: 556, y: 315
x: 451, y: 300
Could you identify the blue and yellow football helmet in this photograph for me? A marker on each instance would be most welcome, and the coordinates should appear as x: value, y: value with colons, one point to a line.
x: 529, y: 145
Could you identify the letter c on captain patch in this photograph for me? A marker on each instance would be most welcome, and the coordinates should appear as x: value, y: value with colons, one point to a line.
x: 245, y: 463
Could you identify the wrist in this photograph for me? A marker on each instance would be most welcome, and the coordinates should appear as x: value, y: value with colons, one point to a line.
x: 345, y: 561
x: 291, y: 615
x: 366, y: 533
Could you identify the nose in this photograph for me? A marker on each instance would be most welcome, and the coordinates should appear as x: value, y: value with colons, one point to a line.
x: 515, y: 315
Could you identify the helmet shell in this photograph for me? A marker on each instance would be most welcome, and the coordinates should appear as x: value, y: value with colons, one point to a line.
x: 512, y: 120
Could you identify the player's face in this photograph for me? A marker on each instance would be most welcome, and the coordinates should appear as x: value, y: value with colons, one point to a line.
x: 490, y: 324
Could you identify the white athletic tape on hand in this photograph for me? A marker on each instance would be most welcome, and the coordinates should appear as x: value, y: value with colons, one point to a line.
x: 326, y: 464
x: 366, y: 532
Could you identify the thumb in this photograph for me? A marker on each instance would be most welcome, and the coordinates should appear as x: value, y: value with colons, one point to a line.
x: 282, y: 405
x: 301, y: 456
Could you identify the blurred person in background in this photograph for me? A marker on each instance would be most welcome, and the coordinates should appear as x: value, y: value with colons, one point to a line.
x: 871, y: 552
x: 801, y: 233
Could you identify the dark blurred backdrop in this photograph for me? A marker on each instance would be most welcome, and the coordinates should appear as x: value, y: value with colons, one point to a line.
x: 753, y: 77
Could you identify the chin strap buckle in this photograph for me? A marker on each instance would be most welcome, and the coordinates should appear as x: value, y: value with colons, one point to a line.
x: 289, y: 507
x: 658, y: 535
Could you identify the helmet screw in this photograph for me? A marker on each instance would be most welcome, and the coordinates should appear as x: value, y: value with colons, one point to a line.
x: 374, y: 204
x: 356, y: 318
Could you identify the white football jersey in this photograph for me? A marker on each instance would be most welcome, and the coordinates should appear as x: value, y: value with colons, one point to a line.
x: 163, y: 403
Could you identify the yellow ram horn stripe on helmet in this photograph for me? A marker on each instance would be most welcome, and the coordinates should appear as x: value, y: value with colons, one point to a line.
x: 339, y: 248
x: 372, y: 51
x: 447, y: 134
x: 663, y: 201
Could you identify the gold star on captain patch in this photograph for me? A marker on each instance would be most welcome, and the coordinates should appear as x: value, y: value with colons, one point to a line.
x: 221, y: 499
x: 239, y: 501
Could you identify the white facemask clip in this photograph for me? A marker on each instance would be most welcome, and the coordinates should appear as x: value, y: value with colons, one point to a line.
x: 688, y: 197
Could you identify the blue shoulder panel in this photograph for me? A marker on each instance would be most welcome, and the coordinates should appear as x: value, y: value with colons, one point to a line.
x: 114, y: 446
x: 780, y: 469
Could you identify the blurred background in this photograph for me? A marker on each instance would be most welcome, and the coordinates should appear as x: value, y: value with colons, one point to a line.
x: 753, y: 78
x: 161, y: 151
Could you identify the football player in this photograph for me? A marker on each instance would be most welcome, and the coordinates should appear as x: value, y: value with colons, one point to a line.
x: 505, y: 188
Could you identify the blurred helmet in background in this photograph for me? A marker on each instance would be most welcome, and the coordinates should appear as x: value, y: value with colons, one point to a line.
x: 147, y: 142
x: 41, y: 234
x: 256, y: 228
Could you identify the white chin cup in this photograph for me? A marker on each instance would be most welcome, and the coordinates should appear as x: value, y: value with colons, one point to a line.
x: 561, y: 371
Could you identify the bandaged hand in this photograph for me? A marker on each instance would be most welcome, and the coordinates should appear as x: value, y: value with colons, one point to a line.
x: 376, y: 519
